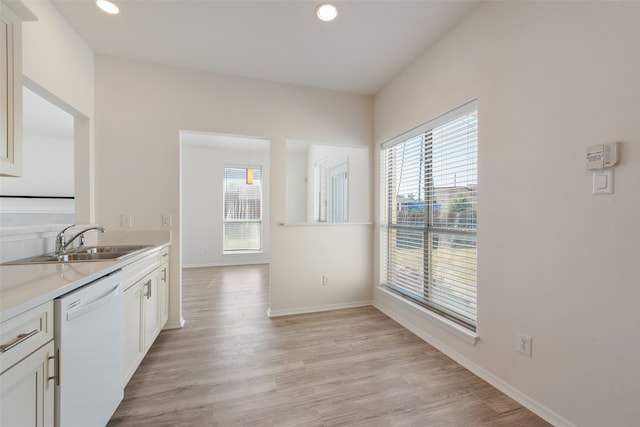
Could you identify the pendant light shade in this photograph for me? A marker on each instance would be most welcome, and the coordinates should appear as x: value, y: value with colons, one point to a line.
x: 249, y: 176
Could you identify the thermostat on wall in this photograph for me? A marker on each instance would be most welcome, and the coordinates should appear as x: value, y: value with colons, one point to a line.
x: 595, y: 157
x: 602, y: 155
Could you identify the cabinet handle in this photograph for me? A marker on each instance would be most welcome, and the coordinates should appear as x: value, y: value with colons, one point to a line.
x: 57, y: 374
x: 51, y: 377
x: 148, y: 293
x: 19, y: 340
x: 164, y: 274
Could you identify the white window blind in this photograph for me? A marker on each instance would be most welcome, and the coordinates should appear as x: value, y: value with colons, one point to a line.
x: 431, y: 218
x: 242, y: 210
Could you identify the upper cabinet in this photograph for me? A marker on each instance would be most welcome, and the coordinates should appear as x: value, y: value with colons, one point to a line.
x: 12, y: 13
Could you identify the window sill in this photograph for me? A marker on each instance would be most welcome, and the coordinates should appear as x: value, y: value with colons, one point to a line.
x: 453, y: 328
x: 241, y: 252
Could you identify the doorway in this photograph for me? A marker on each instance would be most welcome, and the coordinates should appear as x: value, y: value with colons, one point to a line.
x: 218, y: 204
x: 339, y: 193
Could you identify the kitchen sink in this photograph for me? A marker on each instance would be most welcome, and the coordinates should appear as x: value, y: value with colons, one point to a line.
x: 108, y: 249
x: 83, y: 254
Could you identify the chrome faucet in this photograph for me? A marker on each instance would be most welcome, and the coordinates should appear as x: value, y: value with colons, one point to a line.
x: 60, y: 239
x: 62, y: 244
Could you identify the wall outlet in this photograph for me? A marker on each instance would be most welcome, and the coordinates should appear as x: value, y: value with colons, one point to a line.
x: 166, y: 220
x: 524, y: 344
x: 325, y: 280
x: 126, y: 220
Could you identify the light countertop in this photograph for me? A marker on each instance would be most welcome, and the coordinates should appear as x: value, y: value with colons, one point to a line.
x: 23, y: 287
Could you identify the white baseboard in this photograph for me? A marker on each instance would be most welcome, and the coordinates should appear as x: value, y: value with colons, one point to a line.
x: 316, y: 309
x: 225, y: 264
x: 174, y: 325
x: 526, y: 401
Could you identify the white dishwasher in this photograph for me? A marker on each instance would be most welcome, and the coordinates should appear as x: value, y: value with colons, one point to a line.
x: 89, y: 346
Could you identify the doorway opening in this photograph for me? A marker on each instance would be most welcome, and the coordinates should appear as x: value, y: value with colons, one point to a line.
x: 224, y: 216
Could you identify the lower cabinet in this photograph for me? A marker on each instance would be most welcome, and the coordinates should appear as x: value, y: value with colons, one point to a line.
x: 145, y: 307
x: 27, y: 350
x: 27, y: 386
x: 155, y: 304
x: 133, y: 334
x: 150, y: 298
x: 27, y: 367
x: 163, y: 293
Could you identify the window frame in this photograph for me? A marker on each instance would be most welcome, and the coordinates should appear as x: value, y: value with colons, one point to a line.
x: 257, y: 181
x: 426, y: 227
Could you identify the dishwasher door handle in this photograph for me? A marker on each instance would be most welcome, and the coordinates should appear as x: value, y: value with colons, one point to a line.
x: 83, y: 309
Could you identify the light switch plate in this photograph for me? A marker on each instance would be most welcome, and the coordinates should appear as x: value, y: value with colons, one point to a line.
x: 166, y: 220
x: 126, y: 220
x: 603, y: 181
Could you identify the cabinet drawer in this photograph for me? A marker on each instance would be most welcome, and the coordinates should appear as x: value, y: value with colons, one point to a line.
x: 24, y: 334
x: 135, y: 271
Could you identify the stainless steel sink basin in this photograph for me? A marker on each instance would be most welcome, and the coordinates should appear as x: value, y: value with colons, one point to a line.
x: 108, y: 249
x: 84, y: 254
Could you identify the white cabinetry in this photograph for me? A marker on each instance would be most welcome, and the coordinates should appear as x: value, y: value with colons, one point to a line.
x: 133, y: 335
x: 163, y: 291
x: 145, y: 306
x: 27, y: 369
x: 12, y: 13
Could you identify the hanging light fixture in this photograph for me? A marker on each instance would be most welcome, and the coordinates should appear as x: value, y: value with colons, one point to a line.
x: 249, y: 177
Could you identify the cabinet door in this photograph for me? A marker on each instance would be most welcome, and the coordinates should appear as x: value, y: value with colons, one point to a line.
x: 27, y: 391
x: 163, y: 294
x: 6, y: 78
x: 133, y: 330
x: 10, y: 94
x: 151, y: 296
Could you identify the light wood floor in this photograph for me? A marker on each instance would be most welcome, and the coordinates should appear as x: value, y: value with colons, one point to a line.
x: 233, y: 366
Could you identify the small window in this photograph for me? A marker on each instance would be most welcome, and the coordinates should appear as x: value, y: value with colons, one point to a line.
x: 242, y: 209
x: 429, y: 234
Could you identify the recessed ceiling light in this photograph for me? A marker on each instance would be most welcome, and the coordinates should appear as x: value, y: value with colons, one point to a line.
x: 326, y: 12
x: 107, y: 6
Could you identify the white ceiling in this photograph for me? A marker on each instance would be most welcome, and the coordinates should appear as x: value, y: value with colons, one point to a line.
x: 281, y: 41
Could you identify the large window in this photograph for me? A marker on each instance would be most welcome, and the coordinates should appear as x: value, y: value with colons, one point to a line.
x: 429, y: 232
x: 242, y: 209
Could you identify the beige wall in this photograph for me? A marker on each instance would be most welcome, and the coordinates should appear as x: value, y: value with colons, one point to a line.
x: 58, y: 65
x: 56, y: 58
x: 555, y: 262
x: 142, y: 107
